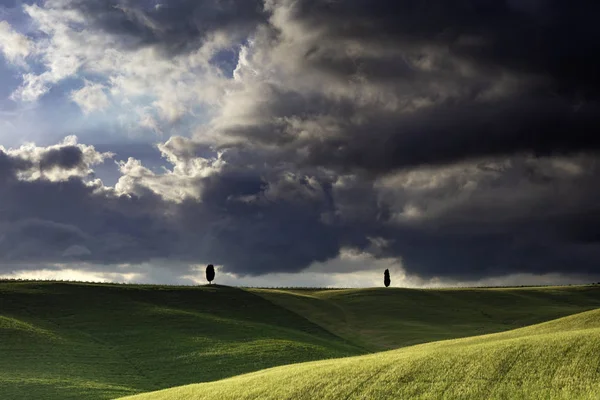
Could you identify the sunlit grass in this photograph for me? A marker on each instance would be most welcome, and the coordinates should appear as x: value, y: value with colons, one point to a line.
x: 555, y: 360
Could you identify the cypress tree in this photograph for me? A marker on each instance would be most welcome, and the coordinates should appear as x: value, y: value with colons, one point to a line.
x: 386, y: 278
x: 210, y: 273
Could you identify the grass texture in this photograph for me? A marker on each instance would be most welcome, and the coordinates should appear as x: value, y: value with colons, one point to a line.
x: 78, y: 341
x: 103, y: 341
x: 552, y: 360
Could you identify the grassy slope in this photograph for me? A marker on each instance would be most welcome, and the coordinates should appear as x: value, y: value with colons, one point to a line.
x: 553, y: 360
x: 78, y: 341
x: 68, y: 341
x: 382, y: 319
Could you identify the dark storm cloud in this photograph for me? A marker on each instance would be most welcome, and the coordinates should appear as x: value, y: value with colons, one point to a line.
x: 175, y: 26
x: 238, y: 224
x: 42, y: 219
x: 251, y: 232
x: 451, y: 133
x: 451, y: 55
x: 551, y: 49
x: 255, y: 221
x: 548, y: 37
x: 383, y: 141
x: 10, y: 165
x: 526, y: 216
x: 473, y: 249
x: 67, y: 157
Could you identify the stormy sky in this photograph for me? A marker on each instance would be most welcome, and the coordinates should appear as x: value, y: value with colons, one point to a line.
x: 301, y: 142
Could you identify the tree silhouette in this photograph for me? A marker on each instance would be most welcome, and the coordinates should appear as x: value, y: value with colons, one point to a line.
x: 210, y: 273
x: 386, y: 278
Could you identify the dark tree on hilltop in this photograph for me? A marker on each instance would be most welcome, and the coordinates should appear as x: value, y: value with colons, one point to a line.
x: 386, y: 278
x: 210, y: 273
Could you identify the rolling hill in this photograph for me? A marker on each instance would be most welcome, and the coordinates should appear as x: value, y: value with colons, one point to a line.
x: 79, y: 341
x: 101, y: 341
x: 383, y: 319
x: 552, y: 360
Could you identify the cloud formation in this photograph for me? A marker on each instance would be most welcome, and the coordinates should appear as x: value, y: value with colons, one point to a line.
x: 454, y: 140
x: 90, y: 98
x: 13, y: 45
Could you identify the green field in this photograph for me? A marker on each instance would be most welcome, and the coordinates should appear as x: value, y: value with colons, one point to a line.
x: 553, y: 360
x: 383, y: 319
x: 78, y: 341
x: 101, y: 341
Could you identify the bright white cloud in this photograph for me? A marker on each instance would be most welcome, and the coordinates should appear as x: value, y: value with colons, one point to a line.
x: 91, y: 97
x: 32, y: 88
x: 183, y: 181
x: 132, y: 77
x: 13, y: 45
